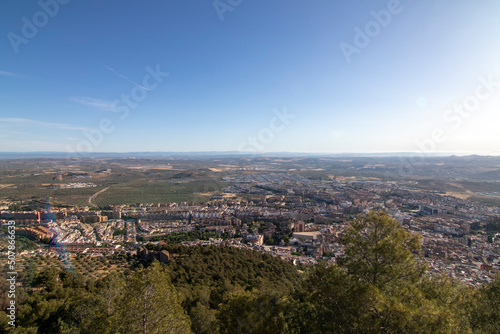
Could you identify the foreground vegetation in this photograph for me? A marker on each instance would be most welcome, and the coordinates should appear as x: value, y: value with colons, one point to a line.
x: 379, y: 286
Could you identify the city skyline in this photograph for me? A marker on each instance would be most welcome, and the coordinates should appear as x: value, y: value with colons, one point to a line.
x: 250, y: 77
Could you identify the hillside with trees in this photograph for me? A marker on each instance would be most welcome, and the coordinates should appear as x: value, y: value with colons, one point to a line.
x: 380, y: 285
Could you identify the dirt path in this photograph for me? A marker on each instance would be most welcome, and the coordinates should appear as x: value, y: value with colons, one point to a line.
x: 92, y: 198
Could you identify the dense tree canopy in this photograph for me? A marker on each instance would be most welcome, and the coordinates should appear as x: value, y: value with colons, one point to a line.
x: 144, y: 302
x: 486, y: 315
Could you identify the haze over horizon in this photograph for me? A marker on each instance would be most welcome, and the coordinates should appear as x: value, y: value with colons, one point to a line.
x: 250, y: 76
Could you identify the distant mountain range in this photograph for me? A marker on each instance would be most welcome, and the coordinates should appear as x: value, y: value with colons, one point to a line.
x: 214, y: 154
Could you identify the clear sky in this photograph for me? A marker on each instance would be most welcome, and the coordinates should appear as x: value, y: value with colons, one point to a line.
x: 285, y: 75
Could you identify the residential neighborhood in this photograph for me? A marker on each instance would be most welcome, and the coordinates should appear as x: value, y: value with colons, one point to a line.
x: 298, y: 219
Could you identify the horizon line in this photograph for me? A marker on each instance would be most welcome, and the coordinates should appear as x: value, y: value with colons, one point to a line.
x: 393, y: 153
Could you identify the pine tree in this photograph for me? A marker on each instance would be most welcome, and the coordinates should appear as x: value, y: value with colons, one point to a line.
x: 379, y: 286
x: 379, y: 251
x: 150, y: 304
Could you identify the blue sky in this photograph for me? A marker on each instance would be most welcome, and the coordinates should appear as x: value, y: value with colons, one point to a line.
x: 424, y: 77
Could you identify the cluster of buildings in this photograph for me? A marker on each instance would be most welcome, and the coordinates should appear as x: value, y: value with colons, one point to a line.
x: 296, y: 218
x: 73, y: 185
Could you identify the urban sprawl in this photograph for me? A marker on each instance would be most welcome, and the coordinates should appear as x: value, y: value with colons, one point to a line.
x: 286, y: 215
